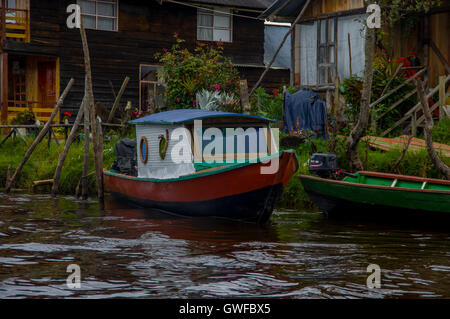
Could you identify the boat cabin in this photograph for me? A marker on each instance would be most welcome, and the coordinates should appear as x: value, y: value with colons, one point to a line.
x: 182, y: 142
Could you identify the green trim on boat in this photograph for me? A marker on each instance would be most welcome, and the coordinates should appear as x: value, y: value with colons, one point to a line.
x: 400, y: 183
x: 226, y: 167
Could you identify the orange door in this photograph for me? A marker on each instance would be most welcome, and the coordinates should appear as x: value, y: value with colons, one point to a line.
x: 46, y: 88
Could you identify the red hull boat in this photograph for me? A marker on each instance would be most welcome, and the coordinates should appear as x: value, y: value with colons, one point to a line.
x: 236, y: 191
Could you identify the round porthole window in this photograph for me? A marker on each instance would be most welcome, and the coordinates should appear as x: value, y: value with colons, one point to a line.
x: 143, y: 146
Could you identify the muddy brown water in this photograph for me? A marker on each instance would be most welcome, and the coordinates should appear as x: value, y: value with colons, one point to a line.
x: 133, y: 253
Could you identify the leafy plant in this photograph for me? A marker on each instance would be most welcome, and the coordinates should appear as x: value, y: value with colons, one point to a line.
x: 186, y: 73
x: 208, y: 100
x: 268, y: 105
x: 395, y: 11
x: 24, y: 118
x: 384, y: 69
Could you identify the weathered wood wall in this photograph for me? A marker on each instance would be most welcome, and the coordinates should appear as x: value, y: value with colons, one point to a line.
x: 144, y: 30
x: 402, y: 42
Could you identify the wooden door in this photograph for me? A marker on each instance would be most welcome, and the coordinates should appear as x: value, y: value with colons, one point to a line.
x: 47, y: 85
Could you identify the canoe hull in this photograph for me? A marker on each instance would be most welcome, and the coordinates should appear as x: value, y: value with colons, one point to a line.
x: 242, y: 193
x: 338, y: 197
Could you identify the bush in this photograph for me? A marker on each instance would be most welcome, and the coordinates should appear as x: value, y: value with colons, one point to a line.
x: 271, y: 106
x: 24, y: 118
x: 384, y: 69
x: 441, y: 131
x: 186, y: 73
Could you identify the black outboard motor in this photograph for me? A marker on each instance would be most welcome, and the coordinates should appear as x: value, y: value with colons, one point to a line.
x: 125, y: 162
x: 323, y: 165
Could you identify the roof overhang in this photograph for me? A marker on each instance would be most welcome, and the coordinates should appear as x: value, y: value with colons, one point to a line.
x: 283, y: 10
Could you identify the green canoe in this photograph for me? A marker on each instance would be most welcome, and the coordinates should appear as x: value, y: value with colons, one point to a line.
x: 380, y: 191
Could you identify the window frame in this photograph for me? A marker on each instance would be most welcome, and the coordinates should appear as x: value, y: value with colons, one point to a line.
x: 329, y: 47
x: 158, y: 68
x: 97, y: 16
x: 211, y: 11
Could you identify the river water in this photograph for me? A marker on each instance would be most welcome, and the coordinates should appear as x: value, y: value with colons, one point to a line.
x: 131, y: 253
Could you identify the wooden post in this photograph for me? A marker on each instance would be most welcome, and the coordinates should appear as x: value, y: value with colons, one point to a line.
x: 84, y: 176
x: 328, y: 101
x: 3, y: 22
x: 442, y: 103
x: 63, y: 155
x: 40, y: 136
x: 245, y: 102
x: 100, y: 159
x: 349, y: 54
x: 117, y: 100
x: 90, y: 99
x: 4, y: 114
x: 49, y: 137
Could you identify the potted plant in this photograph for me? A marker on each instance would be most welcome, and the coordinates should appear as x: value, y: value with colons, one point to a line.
x: 24, y: 118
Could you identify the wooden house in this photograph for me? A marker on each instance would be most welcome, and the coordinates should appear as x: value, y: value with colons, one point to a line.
x: 328, y: 41
x: 39, y: 53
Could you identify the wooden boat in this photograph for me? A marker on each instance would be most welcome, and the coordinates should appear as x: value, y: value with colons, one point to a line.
x: 229, y: 189
x: 380, y: 192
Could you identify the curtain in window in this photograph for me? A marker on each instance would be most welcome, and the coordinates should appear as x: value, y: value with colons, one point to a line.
x: 204, y: 34
x: 354, y: 26
x: 214, y: 25
x: 308, y: 53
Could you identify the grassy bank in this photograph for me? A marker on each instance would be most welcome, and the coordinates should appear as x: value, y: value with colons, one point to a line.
x: 42, y: 163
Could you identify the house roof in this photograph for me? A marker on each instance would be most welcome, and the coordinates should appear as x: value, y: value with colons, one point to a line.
x: 248, y: 4
x: 287, y: 9
x: 188, y: 115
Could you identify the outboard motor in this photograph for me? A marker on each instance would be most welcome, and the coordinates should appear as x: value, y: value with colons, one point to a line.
x: 125, y: 162
x: 323, y: 165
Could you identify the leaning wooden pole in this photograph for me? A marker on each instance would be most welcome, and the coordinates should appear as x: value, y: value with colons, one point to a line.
x: 428, y: 130
x: 40, y: 136
x: 117, y: 99
x: 100, y: 156
x: 63, y: 155
x: 305, y: 6
x: 90, y: 97
x: 84, y: 175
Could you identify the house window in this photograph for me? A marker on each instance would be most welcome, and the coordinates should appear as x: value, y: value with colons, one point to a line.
x: 325, y: 47
x: 99, y: 14
x: 214, y: 25
x: 151, y: 88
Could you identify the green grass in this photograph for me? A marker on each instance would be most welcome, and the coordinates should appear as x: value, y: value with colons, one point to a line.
x: 42, y: 163
x: 441, y: 131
